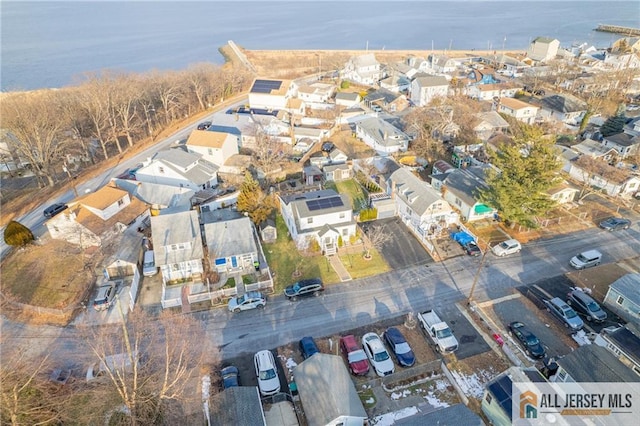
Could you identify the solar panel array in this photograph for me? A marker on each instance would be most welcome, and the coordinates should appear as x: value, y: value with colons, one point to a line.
x: 265, y: 86
x: 324, y: 203
x: 501, y: 390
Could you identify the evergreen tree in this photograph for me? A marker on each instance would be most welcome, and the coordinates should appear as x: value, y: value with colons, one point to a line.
x: 615, y: 123
x: 253, y: 201
x: 527, y: 168
x: 16, y: 234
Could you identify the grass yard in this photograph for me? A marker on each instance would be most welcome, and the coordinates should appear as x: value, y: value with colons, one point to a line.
x: 283, y: 258
x: 359, y: 267
x: 50, y: 275
x: 353, y: 190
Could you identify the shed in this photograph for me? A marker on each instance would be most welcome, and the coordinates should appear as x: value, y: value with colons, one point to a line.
x: 125, y: 260
x: 268, y: 231
x: 327, y: 392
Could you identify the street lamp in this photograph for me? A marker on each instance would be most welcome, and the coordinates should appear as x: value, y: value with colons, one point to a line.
x: 475, y: 278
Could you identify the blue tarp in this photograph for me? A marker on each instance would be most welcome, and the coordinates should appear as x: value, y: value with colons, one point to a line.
x: 462, y: 237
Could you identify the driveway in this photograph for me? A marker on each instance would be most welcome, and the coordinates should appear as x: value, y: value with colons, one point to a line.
x: 403, y: 250
x: 470, y: 342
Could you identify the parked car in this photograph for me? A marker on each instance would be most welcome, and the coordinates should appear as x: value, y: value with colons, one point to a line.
x: 104, y: 298
x: 583, y: 303
x: 564, y: 313
x: 586, y: 259
x: 355, y: 356
x: 230, y: 377
x: 267, y: 373
x: 527, y: 339
x: 615, y: 223
x: 249, y: 300
x: 506, y: 247
x: 308, y: 347
x: 328, y: 146
x: 472, y: 249
x: 204, y: 125
x: 308, y: 287
x: 399, y: 347
x: 377, y: 354
x: 54, y: 209
x: 149, y: 267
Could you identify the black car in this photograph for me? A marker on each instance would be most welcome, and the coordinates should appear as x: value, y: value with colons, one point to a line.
x: 399, y: 347
x: 309, y: 287
x: 527, y: 339
x: 472, y: 249
x: 230, y: 377
x: 308, y: 347
x: 54, y: 209
x: 204, y: 125
x: 328, y: 146
x: 615, y: 223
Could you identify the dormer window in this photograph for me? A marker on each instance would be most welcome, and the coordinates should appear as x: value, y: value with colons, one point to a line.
x: 161, y: 169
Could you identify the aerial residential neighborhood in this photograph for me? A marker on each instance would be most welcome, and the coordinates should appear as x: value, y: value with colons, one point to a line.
x: 376, y: 244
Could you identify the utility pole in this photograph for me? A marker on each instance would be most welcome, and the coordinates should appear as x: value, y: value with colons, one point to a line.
x: 475, y: 278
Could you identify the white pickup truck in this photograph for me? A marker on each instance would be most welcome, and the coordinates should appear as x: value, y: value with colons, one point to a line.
x: 438, y: 331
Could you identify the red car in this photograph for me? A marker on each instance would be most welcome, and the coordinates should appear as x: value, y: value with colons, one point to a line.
x: 354, y: 355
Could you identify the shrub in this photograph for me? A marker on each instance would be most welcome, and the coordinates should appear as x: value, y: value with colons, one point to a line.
x: 345, y: 84
x: 16, y: 234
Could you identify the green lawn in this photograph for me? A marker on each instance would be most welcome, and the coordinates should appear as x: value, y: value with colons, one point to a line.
x: 283, y: 257
x: 353, y: 190
x: 359, y: 267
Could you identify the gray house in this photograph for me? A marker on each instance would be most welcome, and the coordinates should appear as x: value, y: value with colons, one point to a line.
x: 383, y: 137
x: 592, y: 363
x: 461, y: 189
x: 623, y: 297
x: 455, y: 415
x: 327, y: 392
x: 230, y: 241
x: 625, y: 344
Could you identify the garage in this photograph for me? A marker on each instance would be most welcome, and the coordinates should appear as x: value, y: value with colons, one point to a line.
x: 386, y: 207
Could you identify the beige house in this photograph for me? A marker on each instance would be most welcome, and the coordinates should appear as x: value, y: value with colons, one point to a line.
x: 563, y: 193
x: 95, y: 218
x: 271, y: 94
x: 543, y: 49
x: 521, y: 111
x: 215, y: 147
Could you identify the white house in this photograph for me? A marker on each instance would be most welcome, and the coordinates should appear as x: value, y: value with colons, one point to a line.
x: 461, y: 189
x: 175, y: 167
x: 271, y: 94
x: 95, y: 218
x: 563, y: 108
x: 419, y: 206
x: 489, y: 124
x: 347, y: 99
x: 215, y: 147
x: 363, y: 69
x: 178, y: 252
x: 488, y: 92
x: 382, y: 136
x: 323, y: 216
x: 442, y: 63
x: 316, y: 92
x: 624, y: 144
x: 543, y: 49
x: 426, y: 88
x: 521, y: 111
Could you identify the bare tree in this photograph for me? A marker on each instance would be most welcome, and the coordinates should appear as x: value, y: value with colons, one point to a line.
x: 592, y: 168
x: 27, y: 397
x: 163, y: 355
x: 126, y: 102
x: 377, y: 236
x: 35, y: 121
x: 267, y: 150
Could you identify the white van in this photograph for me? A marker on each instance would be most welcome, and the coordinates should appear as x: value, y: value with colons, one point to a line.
x: 149, y: 264
x: 114, y: 363
x: 586, y: 259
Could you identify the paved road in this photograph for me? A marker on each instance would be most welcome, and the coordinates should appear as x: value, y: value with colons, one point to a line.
x: 366, y: 301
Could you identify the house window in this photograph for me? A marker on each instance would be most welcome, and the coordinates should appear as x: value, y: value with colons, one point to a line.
x: 120, y: 202
x: 342, y: 215
x: 620, y: 300
x: 488, y: 398
x: 345, y: 232
x: 458, y: 202
x: 161, y: 169
x: 210, y: 151
x: 175, y: 267
x: 310, y: 220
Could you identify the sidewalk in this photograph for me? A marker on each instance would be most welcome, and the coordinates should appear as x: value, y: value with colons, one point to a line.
x: 337, y: 265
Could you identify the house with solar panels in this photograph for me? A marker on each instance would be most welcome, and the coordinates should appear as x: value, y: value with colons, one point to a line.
x: 271, y: 95
x: 498, y: 394
x: 323, y: 216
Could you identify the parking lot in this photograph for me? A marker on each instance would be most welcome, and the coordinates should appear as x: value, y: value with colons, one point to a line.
x: 403, y: 249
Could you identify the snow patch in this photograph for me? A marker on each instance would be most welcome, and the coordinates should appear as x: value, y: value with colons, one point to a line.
x: 290, y: 364
x: 370, y: 401
x: 472, y: 385
x: 434, y: 401
x: 389, y: 419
